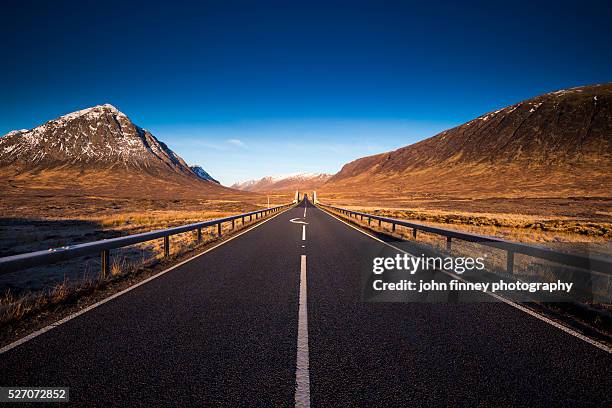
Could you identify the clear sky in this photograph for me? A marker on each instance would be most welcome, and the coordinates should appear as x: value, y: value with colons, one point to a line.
x: 254, y: 88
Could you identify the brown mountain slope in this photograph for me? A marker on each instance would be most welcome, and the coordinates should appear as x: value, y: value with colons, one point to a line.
x: 558, y: 144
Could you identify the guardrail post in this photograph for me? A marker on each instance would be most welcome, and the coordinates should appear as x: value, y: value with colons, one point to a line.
x: 448, y: 244
x: 379, y: 222
x: 167, y: 246
x: 414, y: 230
x: 233, y: 224
x: 510, y: 262
x: 105, y: 263
x: 199, y: 234
x: 393, y: 227
x: 219, y: 229
x: 369, y: 220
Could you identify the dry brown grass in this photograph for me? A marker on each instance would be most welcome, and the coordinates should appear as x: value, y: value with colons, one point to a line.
x: 125, y: 262
x: 525, y: 267
x: 17, y: 237
x: 16, y: 307
x: 157, y: 219
x: 584, y: 208
x: 481, y: 221
x: 574, y: 234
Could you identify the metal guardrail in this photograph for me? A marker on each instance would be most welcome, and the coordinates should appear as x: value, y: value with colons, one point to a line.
x: 23, y: 261
x: 577, y: 261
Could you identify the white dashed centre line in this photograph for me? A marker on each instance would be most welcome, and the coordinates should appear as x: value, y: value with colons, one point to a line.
x: 302, y: 371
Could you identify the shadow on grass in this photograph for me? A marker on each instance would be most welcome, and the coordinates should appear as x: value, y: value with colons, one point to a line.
x: 23, y: 235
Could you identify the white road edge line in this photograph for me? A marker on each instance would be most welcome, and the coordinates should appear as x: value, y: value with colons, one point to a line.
x: 305, y: 211
x: 302, y: 370
x: 303, y: 233
x: 522, y: 308
x: 116, y: 295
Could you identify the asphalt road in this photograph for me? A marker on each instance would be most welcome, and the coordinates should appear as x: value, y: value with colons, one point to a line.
x: 222, y: 330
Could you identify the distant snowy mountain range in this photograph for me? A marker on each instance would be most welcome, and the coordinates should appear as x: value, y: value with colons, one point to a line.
x: 293, y: 181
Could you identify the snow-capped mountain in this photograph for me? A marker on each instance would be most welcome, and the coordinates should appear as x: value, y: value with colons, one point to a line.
x: 100, y: 137
x: 294, y: 181
x: 203, y: 174
x: 98, y: 152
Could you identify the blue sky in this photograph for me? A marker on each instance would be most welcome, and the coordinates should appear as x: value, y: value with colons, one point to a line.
x: 248, y: 89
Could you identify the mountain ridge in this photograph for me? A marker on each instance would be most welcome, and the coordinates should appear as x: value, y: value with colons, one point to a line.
x: 96, y: 136
x: 288, y: 182
x: 556, y: 142
x: 202, y: 174
x: 99, y: 149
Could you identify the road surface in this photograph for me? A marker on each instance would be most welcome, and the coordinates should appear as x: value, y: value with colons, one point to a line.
x: 227, y: 329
